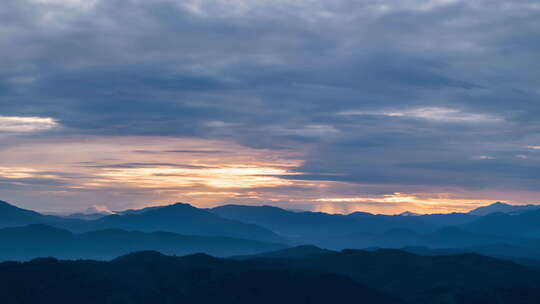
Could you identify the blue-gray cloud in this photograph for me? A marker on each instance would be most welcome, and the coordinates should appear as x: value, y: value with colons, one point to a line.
x: 422, y: 93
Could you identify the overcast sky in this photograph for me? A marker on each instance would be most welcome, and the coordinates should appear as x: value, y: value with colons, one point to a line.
x: 337, y: 106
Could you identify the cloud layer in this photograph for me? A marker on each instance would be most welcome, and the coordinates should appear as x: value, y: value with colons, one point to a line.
x: 377, y: 97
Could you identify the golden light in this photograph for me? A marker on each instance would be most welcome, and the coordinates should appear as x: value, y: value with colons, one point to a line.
x: 22, y: 172
x: 147, y: 171
x: 422, y: 203
x: 228, y: 176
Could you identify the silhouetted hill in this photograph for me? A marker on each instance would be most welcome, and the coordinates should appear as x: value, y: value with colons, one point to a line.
x: 408, y: 213
x: 432, y: 252
x: 529, y: 256
x: 447, y: 219
x: 292, y: 252
x: 178, y: 218
x: 500, y: 235
x: 84, y: 216
x: 504, y: 208
x: 149, y: 277
x: 463, y: 278
x: 497, y: 234
x: 14, y: 216
x: 293, y: 224
x: 311, y: 227
x: 137, y: 211
x: 523, y: 225
x: 337, y: 231
x: 24, y: 243
x: 185, y: 219
x: 349, y: 276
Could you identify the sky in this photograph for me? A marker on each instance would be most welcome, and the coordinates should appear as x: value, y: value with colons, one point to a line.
x: 336, y: 106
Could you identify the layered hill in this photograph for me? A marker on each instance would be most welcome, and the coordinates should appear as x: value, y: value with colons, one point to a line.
x: 523, y: 225
x: 28, y: 242
x: 179, y: 218
x: 295, y: 275
x: 512, y: 234
x: 458, y: 278
x: 503, y: 208
x: 150, y: 277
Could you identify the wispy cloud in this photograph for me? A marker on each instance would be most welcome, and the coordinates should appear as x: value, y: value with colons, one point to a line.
x: 197, y: 96
x: 432, y: 113
x: 26, y: 124
x: 484, y: 157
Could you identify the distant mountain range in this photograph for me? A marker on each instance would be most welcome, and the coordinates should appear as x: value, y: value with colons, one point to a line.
x: 521, y: 225
x: 312, y: 226
x: 184, y: 219
x: 294, y: 275
x: 38, y: 240
x: 503, y: 208
x: 178, y: 218
x: 360, y: 229
x: 514, y: 233
x: 14, y: 216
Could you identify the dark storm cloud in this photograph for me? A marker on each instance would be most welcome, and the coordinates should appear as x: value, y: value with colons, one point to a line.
x: 350, y: 79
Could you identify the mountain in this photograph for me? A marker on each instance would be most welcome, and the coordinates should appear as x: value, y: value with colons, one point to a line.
x: 449, y: 239
x: 138, y: 211
x: 83, y: 216
x: 185, y: 219
x: 149, y: 277
x: 496, y: 234
x: 461, y: 278
x: 179, y: 218
x: 14, y: 216
x: 91, y: 213
x: 291, y: 252
x: 408, y: 213
x: 334, y: 231
x: 28, y: 242
x: 287, y: 223
x: 349, y: 276
x: 522, y: 225
x: 504, y: 208
x: 304, y: 226
x: 445, y: 237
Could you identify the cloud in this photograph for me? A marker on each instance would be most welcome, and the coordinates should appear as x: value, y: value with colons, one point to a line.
x: 144, y: 165
x: 484, y: 157
x: 26, y: 124
x: 369, y: 93
x: 98, y: 209
x: 433, y: 113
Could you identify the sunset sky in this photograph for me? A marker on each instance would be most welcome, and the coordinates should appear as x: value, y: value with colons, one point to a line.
x: 337, y: 106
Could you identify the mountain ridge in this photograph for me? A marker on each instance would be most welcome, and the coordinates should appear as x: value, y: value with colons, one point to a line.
x: 347, y: 276
x: 39, y: 240
x: 503, y: 208
x: 143, y: 277
x: 179, y: 217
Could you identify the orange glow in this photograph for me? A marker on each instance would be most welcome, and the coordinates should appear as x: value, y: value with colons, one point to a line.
x: 22, y: 172
x: 229, y: 176
x: 426, y: 203
x: 142, y: 170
